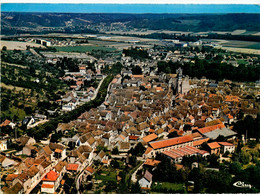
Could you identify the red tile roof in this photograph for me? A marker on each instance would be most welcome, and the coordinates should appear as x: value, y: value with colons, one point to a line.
x: 214, y: 145
x: 211, y: 128
x: 199, y: 142
x: 5, y: 123
x: 89, y: 169
x: 152, y: 162
x: 132, y: 137
x: 62, y: 182
x: 148, y: 150
x: 51, y: 176
x: 232, y: 99
x: 171, y: 142
x: 11, y: 177
x: 225, y: 144
x: 58, y: 150
x: 73, y: 167
x: 150, y: 137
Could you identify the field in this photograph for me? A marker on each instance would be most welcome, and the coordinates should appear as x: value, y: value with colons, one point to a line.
x: 85, y: 48
x: 11, y: 45
x: 242, y: 44
x: 243, y: 50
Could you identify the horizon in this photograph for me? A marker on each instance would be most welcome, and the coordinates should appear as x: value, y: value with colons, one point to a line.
x: 131, y: 8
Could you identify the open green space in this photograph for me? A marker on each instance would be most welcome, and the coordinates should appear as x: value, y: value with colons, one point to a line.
x: 85, y: 48
x: 106, y: 175
x: 169, y: 187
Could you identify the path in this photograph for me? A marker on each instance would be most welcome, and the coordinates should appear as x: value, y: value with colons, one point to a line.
x: 133, y: 177
x: 38, y: 123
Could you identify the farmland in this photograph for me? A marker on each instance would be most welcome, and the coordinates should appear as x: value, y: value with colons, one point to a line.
x: 12, y: 45
x: 242, y: 44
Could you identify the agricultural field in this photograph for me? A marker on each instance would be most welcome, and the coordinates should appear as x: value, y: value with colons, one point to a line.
x: 243, y: 50
x: 85, y: 48
x: 12, y: 45
x: 242, y: 44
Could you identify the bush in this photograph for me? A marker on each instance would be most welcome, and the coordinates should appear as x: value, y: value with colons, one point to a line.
x: 226, y: 154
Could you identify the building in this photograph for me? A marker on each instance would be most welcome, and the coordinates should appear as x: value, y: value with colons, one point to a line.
x: 177, y: 154
x: 50, y: 182
x: 172, y: 143
x: 225, y: 146
x: 3, y: 145
x: 146, y: 181
x: 214, y: 148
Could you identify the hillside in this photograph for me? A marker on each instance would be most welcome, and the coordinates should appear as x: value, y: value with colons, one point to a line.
x: 17, y: 22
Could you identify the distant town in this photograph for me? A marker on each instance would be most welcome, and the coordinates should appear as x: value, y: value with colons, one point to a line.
x: 113, y: 112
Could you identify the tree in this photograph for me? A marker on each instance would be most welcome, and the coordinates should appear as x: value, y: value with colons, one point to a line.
x: 114, y: 163
x: 132, y: 160
x: 213, y: 160
x: 135, y: 188
x: 4, y: 48
x: 235, y: 167
x: 55, y: 137
x: 245, y: 157
x: 138, y: 150
x: 136, y: 70
x: 115, y: 151
x: 173, y: 134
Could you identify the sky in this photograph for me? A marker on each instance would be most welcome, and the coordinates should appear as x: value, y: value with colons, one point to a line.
x: 131, y: 8
x: 139, y: 1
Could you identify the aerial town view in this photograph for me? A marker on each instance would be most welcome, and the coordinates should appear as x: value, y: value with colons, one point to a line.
x: 99, y: 98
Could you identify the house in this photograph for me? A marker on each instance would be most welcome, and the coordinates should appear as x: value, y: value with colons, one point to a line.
x: 7, y: 123
x: 146, y: 181
x: 214, y: 148
x: 24, y: 180
x: 72, y: 167
x: 152, y: 162
x: 7, y: 162
x: 150, y: 137
x: 29, y: 150
x: 90, y: 170
x: 87, y: 139
x: 100, y: 155
x: 16, y: 188
x: 82, y: 155
x: 3, y: 145
x: 58, y: 151
x: 124, y: 146
x: 9, y: 179
x: 149, y: 152
x: 50, y: 182
x: 106, y: 138
x: 25, y: 140
x: 225, y: 146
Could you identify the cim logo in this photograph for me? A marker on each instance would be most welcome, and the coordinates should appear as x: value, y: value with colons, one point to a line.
x: 242, y: 185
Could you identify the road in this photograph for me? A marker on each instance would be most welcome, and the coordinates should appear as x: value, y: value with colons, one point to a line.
x: 96, y: 91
